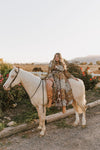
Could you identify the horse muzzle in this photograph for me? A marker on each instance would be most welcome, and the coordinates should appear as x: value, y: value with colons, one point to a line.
x: 6, y: 88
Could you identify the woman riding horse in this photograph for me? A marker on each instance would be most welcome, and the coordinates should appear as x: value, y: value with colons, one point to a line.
x: 58, y: 75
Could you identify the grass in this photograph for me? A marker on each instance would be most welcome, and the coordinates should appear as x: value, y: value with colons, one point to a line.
x: 92, y: 95
x: 62, y: 124
x: 2, y: 125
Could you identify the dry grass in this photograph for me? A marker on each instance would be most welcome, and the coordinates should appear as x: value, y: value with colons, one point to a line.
x: 44, y: 67
x: 29, y: 67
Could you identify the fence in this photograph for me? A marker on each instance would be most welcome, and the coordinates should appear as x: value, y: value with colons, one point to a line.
x: 95, y: 75
x: 40, y: 74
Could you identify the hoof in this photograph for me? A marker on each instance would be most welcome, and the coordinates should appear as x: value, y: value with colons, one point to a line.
x: 75, y: 125
x: 83, y: 126
x: 42, y: 133
x: 39, y: 128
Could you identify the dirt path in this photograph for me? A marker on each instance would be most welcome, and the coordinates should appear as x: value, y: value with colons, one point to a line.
x: 60, y: 136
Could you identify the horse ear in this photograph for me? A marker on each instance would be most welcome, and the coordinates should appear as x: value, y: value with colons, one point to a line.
x: 16, y: 69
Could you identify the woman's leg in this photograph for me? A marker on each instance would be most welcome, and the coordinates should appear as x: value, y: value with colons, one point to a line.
x: 49, y: 84
x: 63, y: 92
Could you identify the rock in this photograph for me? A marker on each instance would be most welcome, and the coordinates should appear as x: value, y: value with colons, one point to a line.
x: 14, y: 105
x: 7, y: 118
x: 12, y: 123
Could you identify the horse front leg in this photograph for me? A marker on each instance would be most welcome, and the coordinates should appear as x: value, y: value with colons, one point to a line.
x: 42, y: 113
x: 40, y: 121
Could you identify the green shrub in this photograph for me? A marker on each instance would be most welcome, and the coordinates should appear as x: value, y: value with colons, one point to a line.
x: 87, y: 78
x: 16, y: 94
x: 74, y: 69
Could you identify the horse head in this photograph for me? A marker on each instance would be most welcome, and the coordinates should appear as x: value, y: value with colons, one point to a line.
x: 13, y: 79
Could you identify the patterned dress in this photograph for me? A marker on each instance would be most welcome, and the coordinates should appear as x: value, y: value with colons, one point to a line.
x: 62, y: 92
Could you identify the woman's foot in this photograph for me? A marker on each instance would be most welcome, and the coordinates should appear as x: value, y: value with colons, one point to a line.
x: 49, y: 104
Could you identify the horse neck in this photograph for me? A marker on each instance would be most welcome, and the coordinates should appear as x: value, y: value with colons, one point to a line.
x: 29, y: 82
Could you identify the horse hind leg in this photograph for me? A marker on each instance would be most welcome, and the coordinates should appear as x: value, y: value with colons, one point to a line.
x: 84, y: 119
x: 79, y: 109
x: 77, y: 120
x: 83, y: 108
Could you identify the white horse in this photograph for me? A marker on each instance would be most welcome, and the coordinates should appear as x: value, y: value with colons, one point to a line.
x: 34, y: 87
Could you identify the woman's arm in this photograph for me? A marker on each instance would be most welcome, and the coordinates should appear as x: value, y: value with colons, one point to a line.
x: 69, y: 75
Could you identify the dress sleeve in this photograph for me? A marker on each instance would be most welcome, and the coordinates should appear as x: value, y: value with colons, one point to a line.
x: 68, y: 75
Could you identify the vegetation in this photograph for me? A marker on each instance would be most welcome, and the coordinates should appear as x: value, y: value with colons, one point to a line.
x: 8, y: 98
x: 90, y: 63
x: 87, y: 78
x: 83, y: 63
x: 98, y: 62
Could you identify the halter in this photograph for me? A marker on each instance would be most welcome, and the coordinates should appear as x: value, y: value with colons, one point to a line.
x: 14, y: 77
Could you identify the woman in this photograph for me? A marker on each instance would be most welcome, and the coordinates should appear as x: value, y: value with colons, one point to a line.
x: 58, y: 75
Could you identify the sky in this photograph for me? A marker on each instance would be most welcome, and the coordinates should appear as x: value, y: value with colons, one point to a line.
x: 34, y: 30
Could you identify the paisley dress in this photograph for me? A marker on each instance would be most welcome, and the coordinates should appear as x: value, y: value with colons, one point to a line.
x: 62, y: 92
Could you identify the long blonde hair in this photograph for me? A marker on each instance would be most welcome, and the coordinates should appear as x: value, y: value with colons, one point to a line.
x: 61, y: 60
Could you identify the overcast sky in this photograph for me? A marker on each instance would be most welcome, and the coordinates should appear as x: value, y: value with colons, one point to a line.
x: 34, y: 30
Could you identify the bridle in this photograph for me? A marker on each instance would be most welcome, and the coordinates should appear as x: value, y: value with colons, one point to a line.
x: 14, y: 77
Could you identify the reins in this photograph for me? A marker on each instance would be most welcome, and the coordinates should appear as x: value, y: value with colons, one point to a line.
x: 41, y: 81
x: 43, y: 93
x: 36, y: 90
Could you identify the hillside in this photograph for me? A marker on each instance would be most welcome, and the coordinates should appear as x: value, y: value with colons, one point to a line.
x: 87, y: 59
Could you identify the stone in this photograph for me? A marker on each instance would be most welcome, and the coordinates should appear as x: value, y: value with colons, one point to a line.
x: 12, y: 123
x: 7, y: 118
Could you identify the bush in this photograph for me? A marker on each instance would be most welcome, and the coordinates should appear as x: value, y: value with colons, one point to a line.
x: 74, y: 69
x: 90, y: 63
x: 87, y: 78
x: 16, y: 94
x: 36, y: 69
x: 83, y: 63
x: 98, y: 62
